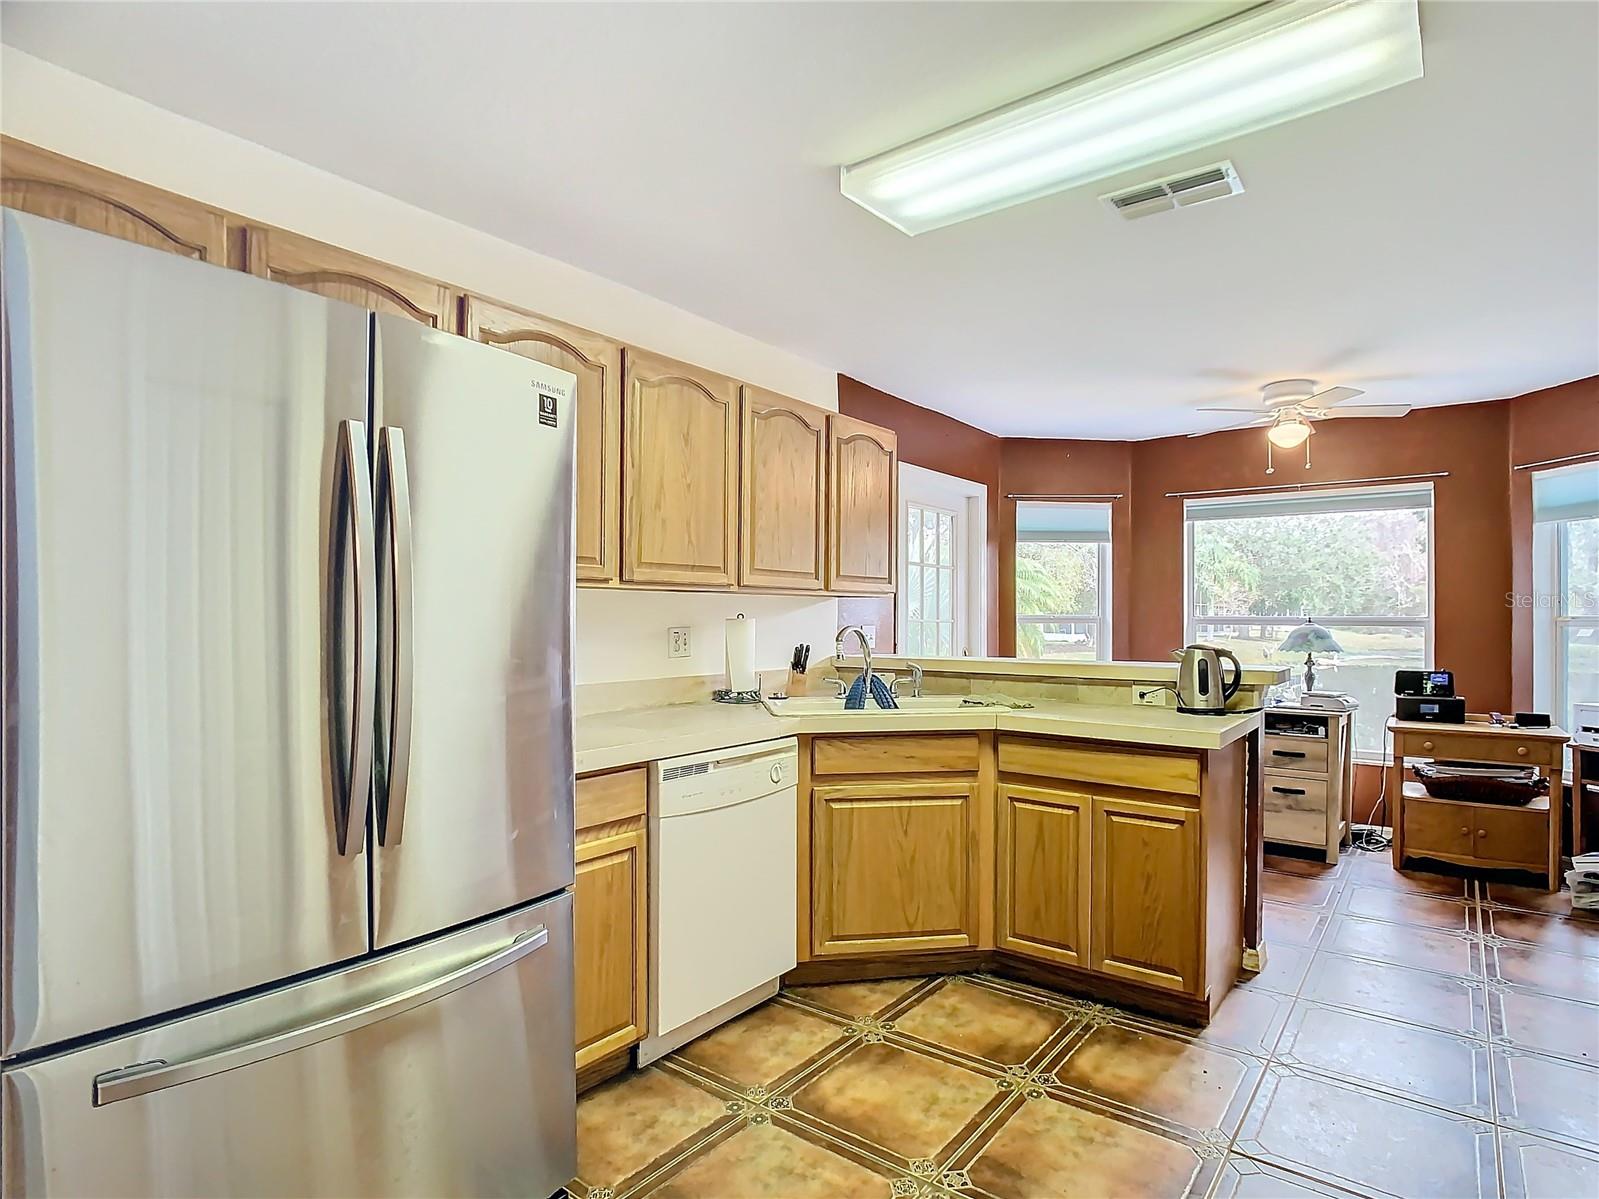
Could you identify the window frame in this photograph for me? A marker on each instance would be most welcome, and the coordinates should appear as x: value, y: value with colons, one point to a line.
x: 1192, y: 622
x: 1101, y: 621
x: 969, y: 500
x: 1551, y: 621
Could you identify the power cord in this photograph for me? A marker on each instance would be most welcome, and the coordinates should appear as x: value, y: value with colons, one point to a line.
x: 1371, y: 838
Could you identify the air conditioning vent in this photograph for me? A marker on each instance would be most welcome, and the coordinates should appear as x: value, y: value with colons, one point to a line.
x: 1162, y: 195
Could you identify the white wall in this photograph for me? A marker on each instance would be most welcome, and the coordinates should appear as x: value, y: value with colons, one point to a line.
x: 623, y: 634
x: 620, y: 635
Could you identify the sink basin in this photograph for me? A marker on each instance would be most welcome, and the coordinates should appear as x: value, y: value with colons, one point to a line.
x: 827, y: 705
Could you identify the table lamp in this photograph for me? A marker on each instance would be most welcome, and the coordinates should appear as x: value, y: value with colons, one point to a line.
x: 1310, y: 638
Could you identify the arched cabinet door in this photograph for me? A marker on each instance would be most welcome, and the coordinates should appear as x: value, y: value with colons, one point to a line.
x: 312, y: 265
x: 783, y: 493
x: 597, y: 363
x: 45, y: 184
x: 863, y: 497
x: 680, y: 474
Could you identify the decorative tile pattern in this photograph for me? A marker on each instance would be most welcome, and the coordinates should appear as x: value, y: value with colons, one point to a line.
x: 1428, y: 1036
x: 987, y: 1023
x: 1162, y: 1077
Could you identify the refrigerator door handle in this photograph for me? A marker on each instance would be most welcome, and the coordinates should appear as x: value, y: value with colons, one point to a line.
x: 353, y: 471
x: 395, y: 482
x: 143, y: 1078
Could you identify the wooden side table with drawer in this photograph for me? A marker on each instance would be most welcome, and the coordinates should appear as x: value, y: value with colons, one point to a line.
x: 1309, y: 760
x: 1492, y: 836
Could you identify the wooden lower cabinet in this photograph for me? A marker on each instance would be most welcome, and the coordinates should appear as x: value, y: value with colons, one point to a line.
x: 610, y: 914
x: 1146, y: 909
x: 1044, y: 873
x: 893, y: 866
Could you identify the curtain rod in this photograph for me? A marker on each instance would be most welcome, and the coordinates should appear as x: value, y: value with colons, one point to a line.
x: 1044, y: 495
x: 1558, y: 461
x: 1279, y: 487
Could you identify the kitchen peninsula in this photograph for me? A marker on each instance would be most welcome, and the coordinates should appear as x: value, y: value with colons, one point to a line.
x: 1024, y: 818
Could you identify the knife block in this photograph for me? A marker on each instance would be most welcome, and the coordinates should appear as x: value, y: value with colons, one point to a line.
x: 798, y: 684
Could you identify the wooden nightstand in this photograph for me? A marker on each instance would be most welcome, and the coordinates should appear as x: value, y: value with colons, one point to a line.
x: 1309, y: 759
x: 1493, y: 836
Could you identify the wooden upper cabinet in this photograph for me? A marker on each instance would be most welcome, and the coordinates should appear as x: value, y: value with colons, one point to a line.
x: 312, y: 265
x: 1044, y: 877
x: 680, y: 473
x: 1147, y: 923
x: 863, y: 492
x: 48, y: 185
x: 597, y: 363
x: 783, y: 493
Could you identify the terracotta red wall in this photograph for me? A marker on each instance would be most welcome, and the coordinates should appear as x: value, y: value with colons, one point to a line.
x: 1482, y: 513
x: 938, y: 442
x: 1471, y: 522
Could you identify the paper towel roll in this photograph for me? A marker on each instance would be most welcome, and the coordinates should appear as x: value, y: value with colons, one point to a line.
x: 741, y: 654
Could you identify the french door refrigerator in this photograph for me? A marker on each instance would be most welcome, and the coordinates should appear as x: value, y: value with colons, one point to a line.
x: 285, y: 877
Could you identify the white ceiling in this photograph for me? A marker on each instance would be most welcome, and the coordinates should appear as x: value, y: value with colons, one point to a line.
x: 1437, y: 243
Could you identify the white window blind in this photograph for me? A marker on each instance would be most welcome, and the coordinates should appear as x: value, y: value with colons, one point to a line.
x: 1565, y: 599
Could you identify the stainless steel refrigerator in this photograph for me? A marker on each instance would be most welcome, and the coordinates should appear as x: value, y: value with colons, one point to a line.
x: 285, y: 878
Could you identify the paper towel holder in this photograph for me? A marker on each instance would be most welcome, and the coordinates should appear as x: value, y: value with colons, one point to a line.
x: 746, y: 637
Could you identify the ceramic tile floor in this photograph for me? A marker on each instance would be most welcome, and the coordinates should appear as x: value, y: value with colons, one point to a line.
x: 1412, y: 1035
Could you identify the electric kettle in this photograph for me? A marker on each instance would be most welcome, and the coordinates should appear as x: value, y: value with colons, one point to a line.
x: 1200, y: 686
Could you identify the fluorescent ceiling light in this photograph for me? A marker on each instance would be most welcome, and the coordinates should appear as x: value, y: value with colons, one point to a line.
x: 1268, y: 65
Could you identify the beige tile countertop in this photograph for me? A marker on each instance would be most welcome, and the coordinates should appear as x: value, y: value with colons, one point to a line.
x: 604, y: 741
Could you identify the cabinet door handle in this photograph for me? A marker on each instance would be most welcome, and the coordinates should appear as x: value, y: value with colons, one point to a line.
x: 1426, y: 745
x: 1289, y: 790
x: 1521, y: 751
x: 1287, y: 753
x: 1465, y: 832
x: 1482, y: 832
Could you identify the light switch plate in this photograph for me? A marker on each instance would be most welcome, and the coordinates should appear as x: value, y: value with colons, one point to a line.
x: 677, y: 643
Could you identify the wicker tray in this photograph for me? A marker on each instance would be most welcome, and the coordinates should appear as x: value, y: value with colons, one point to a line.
x: 1508, y: 792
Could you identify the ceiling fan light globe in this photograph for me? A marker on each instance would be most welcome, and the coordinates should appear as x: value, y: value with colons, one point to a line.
x: 1287, y: 434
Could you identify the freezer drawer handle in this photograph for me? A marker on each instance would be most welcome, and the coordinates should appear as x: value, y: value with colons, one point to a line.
x: 353, y: 746
x: 142, y: 1078
x: 394, y: 502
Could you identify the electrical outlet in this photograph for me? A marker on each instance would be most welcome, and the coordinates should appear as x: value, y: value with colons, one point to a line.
x: 1154, y: 697
x: 677, y: 645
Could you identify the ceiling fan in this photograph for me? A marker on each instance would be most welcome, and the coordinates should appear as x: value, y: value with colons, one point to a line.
x: 1289, y: 407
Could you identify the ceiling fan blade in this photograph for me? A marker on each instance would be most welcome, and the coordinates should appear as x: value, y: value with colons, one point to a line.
x: 1251, y: 424
x: 1256, y: 411
x: 1365, y: 410
x: 1331, y: 396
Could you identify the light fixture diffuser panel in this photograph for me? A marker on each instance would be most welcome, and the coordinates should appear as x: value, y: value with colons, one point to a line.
x: 1268, y: 65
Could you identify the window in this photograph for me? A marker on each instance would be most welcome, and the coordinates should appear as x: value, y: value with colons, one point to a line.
x: 930, y: 580
x: 1357, y: 562
x: 940, y: 608
x: 1565, y: 556
x: 1063, y: 581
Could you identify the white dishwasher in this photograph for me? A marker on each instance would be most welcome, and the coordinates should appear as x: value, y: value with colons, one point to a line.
x: 722, y: 887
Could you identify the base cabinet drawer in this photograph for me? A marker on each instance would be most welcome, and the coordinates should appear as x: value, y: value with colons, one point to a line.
x: 1295, y: 809
x: 1307, y: 754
